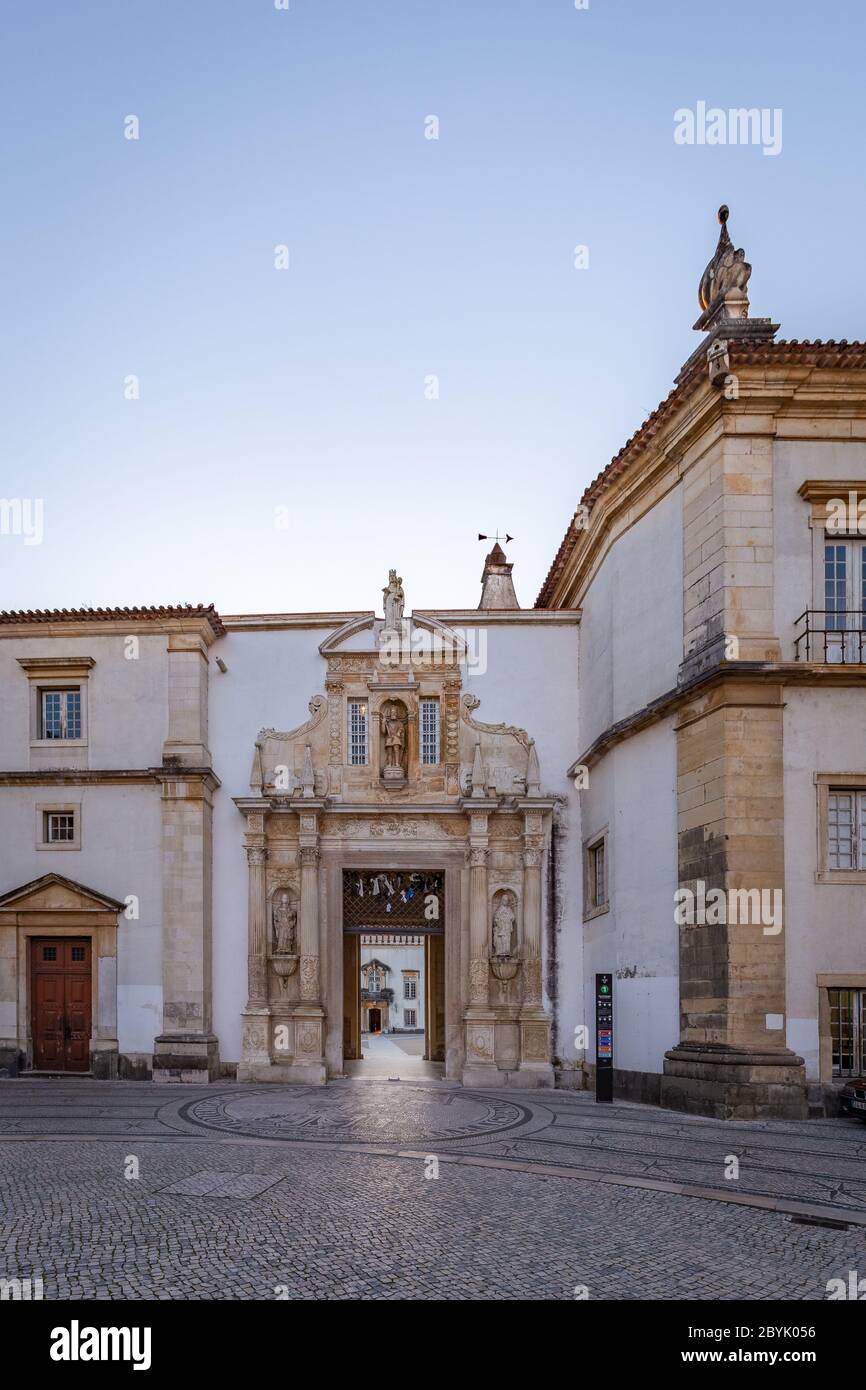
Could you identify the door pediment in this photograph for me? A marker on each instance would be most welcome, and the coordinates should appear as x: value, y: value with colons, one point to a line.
x: 54, y: 893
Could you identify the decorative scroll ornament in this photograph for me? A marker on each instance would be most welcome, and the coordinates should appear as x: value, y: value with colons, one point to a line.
x: 318, y: 708
x: 471, y: 702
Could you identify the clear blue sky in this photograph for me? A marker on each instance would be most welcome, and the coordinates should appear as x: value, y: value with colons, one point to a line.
x: 408, y: 257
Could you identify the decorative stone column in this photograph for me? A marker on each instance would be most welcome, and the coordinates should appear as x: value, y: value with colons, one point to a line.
x: 255, y: 1020
x: 257, y: 858
x: 479, y: 974
x: 336, y: 718
x: 309, y: 923
x: 308, y: 1065
x: 480, y: 1019
x: 534, y: 1021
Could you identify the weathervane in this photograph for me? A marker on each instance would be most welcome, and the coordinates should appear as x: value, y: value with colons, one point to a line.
x: 497, y: 537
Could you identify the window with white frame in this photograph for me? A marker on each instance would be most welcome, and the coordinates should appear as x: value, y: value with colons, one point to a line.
x: 846, y: 828
x: 848, y: 1031
x: 410, y: 1018
x: 358, y: 732
x: 60, y: 713
x: 58, y: 827
x: 845, y: 584
x: 410, y: 987
x: 430, y: 732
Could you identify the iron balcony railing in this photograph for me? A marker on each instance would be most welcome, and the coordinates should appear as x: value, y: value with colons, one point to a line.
x: 377, y: 996
x: 831, y: 638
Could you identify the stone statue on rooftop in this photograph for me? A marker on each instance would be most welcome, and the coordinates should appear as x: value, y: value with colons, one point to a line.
x: 728, y: 272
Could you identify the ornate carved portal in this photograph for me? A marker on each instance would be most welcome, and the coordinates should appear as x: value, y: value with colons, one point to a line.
x: 354, y: 788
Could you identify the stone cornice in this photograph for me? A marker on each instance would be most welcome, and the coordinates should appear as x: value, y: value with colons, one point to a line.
x: 489, y: 617
x: 827, y: 490
x: 259, y: 622
x: 788, y: 383
x: 88, y: 776
x: 49, y: 665
x: 253, y: 805
x: 768, y: 672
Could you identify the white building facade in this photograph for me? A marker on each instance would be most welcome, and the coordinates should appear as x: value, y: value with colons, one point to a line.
x: 659, y: 771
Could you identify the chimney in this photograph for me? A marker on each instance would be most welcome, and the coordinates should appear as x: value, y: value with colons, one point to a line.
x: 497, y: 589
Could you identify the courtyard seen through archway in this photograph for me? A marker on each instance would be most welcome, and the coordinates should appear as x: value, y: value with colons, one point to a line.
x: 393, y: 973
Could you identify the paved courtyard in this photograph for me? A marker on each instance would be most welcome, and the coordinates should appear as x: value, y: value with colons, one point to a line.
x: 114, y: 1190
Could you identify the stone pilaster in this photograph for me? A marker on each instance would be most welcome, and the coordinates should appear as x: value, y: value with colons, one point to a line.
x: 255, y: 1020
x: 480, y: 1019
x: 309, y: 1016
x: 732, y: 1061
x: 336, y: 720
x: 535, y: 1059
x: 187, y: 1049
x: 478, y: 968
x: 188, y: 699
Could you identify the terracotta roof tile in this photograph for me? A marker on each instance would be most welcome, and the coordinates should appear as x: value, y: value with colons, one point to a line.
x: 107, y: 615
x: 785, y: 353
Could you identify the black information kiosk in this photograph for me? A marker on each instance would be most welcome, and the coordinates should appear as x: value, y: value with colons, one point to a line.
x: 604, y: 1037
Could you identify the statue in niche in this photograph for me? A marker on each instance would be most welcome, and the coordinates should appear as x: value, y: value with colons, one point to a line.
x: 395, y: 735
x: 284, y: 916
x: 504, y: 924
x: 394, y: 600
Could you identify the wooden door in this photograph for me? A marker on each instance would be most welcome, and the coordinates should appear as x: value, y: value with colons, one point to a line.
x: 61, y: 984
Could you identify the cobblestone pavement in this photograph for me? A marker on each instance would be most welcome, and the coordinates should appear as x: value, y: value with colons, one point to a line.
x: 263, y: 1192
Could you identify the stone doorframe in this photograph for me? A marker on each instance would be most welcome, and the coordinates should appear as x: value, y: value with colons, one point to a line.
x: 451, y: 860
x: 54, y: 906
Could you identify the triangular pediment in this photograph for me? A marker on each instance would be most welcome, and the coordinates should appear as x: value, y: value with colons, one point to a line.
x: 54, y: 893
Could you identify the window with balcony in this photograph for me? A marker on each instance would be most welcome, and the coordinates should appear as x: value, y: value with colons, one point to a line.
x: 832, y: 629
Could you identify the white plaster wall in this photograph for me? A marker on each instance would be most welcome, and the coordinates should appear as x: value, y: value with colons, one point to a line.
x: 399, y: 958
x: 631, y: 635
x: 531, y: 679
x: 794, y: 462
x: 632, y: 792
x: 127, y: 699
x: 272, y: 675
x: 825, y: 923
x: 119, y: 855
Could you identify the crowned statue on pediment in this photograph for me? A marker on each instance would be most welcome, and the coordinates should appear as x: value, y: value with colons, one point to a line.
x: 394, y: 600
